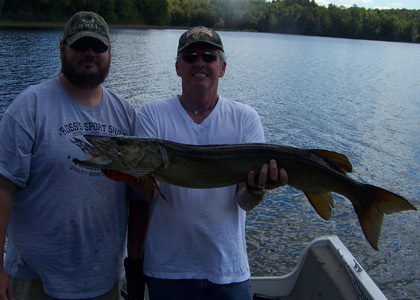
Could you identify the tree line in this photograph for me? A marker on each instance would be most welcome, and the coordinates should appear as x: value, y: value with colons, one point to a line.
x: 303, y: 17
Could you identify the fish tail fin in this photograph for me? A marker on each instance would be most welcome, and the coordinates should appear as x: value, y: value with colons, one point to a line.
x: 371, y: 208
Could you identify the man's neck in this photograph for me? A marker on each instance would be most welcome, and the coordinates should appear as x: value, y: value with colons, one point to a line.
x: 86, y: 97
x: 198, y: 107
x: 199, y: 101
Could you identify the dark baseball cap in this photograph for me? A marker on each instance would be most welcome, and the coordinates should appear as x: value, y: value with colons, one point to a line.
x: 199, y: 34
x: 86, y: 24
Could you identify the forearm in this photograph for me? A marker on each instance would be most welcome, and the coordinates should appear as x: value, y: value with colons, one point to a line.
x: 251, y: 193
x: 248, y: 199
x: 138, y: 223
x: 7, y: 191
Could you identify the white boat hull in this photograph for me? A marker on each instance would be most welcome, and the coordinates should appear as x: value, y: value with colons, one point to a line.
x: 325, y: 270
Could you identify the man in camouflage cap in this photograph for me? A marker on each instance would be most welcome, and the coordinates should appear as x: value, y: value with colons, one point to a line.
x: 195, y: 246
x: 84, y: 31
x: 66, y: 225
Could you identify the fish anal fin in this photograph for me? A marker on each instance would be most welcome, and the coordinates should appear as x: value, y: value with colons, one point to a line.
x: 323, y: 203
x: 338, y: 160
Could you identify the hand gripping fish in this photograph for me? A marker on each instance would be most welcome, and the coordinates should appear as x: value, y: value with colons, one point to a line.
x: 316, y: 172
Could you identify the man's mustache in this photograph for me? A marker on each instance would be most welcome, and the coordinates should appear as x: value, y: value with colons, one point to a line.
x: 88, y: 60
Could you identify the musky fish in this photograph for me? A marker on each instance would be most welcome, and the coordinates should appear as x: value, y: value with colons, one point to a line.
x: 316, y: 172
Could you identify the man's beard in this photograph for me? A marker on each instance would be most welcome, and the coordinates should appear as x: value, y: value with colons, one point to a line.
x: 81, y: 79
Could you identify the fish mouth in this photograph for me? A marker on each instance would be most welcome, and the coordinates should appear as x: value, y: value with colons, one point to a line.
x: 96, y: 162
x: 103, y: 154
x: 103, y: 148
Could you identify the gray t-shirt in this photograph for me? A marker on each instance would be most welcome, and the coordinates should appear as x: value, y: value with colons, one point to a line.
x: 68, y: 223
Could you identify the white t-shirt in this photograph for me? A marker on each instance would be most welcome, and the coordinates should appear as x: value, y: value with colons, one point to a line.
x: 198, y: 233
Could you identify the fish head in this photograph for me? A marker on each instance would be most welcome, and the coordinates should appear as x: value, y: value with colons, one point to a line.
x: 131, y: 155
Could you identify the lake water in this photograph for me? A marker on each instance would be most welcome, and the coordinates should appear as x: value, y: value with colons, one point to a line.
x: 360, y: 98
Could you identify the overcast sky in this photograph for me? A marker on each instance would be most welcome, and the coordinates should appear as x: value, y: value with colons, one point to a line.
x: 398, y: 4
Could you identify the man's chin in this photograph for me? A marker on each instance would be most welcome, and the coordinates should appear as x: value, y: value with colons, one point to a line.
x: 86, y: 76
x: 83, y: 80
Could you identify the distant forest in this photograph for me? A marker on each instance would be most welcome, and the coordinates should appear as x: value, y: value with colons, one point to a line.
x: 302, y: 17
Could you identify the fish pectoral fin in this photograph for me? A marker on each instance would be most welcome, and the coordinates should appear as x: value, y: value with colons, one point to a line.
x: 149, y: 185
x: 323, y: 203
x: 338, y: 160
x: 118, y: 176
x: 152, y: 180
x: 142, y: 172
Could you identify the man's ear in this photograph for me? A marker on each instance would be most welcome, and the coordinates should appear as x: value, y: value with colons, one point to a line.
x: 62, y: 45
x: 223, y: 70
x: 177, y: 68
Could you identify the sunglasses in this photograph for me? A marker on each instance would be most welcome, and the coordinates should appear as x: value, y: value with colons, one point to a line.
x: 84, y: 45
x: 192, y: 57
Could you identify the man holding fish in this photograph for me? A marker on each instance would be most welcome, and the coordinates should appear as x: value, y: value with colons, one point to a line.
x: 196, y: 246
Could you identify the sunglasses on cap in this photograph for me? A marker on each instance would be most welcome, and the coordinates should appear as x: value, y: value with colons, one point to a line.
x: 191, y: 57
x: 83, y: 45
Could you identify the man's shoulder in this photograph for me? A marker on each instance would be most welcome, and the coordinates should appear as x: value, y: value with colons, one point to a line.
x: 31, y: 95
x: 115, y: 99
x: 40, y: 87
x: 237, y: 107
x: 159, y: 104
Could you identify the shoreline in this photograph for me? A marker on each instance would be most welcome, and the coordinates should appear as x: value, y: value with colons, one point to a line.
x: 60, y: 25
x: 7, y: 24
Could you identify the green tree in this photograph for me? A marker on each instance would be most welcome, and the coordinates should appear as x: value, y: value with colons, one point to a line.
x: 1, y: 8
x: 153, y: 12
x: 284, y: 16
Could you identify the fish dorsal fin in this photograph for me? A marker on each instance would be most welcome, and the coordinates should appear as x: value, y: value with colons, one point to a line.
x: 323, y: 203
x: 340, y: 161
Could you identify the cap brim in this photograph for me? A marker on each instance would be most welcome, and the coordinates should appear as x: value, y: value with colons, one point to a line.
x: 204, y: 42
x: 83, y: 34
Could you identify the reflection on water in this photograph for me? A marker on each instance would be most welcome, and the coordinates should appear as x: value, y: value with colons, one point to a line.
x: 360, y: 98
x: 26, y: 57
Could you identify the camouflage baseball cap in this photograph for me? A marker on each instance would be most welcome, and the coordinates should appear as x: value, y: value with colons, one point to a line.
x: 86, y: 24
x: 199, y: 34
